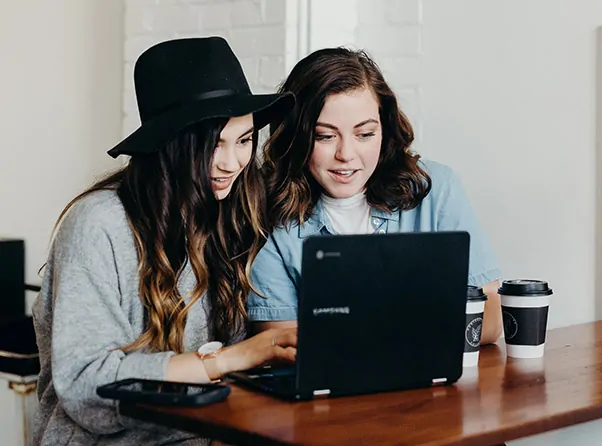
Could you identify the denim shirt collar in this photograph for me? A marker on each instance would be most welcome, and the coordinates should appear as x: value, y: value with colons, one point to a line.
x: 318, y: 220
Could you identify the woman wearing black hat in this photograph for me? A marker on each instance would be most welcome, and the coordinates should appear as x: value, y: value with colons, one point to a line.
x: 147, y: 274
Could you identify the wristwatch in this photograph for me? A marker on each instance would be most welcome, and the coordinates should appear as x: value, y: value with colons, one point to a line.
x: 208, y: 354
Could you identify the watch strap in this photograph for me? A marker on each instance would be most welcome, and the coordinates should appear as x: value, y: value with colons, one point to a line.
x: 210, y: 363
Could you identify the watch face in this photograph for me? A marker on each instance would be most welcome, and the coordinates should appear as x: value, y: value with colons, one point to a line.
x: 210, y: 347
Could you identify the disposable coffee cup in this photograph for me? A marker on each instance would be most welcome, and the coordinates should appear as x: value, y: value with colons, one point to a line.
x: 525, y: 306
x: 475, y: 307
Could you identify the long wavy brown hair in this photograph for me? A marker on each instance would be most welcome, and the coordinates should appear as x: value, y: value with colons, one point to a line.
x: 175, y: 219
x: 398, y: 183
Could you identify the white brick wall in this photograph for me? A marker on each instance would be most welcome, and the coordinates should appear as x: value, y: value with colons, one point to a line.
x: 269, y: 36
x: 332, y: 23
x: 256, y: 30
x: 391, y: 32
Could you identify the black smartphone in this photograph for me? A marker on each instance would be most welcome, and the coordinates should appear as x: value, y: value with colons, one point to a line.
x: 145, y: 391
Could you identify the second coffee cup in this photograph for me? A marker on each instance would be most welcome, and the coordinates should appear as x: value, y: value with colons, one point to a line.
x: 525, y: 313
x: 475, y: 307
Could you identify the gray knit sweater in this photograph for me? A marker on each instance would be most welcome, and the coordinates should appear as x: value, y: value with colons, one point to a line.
x: 89, y: 306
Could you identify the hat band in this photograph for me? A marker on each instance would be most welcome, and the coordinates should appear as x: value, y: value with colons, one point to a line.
x: 195, y: 98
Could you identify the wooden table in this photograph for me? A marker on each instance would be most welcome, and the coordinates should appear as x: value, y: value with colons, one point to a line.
x: 503, y: 399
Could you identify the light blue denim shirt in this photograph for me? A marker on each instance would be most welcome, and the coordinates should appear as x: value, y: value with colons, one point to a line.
x: 276, y: 272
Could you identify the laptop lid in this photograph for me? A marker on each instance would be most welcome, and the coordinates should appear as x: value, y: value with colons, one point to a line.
x: 382, y: 312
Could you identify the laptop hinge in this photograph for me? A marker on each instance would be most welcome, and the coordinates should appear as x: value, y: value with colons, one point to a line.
x: 439, y: 381
x: 323, y: 392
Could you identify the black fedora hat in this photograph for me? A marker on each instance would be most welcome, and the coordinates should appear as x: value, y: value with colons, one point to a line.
x: 183, y: 81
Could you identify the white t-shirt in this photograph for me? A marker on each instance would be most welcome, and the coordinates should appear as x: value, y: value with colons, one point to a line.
x: 348, y: 215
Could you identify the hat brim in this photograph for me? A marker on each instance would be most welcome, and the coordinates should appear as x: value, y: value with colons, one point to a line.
x: 155, y: 133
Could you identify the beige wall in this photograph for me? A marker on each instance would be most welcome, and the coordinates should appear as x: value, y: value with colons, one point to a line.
x: 509, y: 100
x: 60, y: 109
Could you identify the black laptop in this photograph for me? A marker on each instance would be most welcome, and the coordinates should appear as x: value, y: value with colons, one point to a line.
x: 376, y: 313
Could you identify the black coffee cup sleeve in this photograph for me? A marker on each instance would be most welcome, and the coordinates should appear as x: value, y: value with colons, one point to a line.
x: 525, y: 326
x: 472, y: 332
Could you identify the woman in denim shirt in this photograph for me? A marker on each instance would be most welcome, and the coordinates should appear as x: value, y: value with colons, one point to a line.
x: 341, y: 163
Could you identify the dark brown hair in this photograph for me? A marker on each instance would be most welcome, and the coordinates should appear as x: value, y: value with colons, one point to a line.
x: 398, y: 181
x: 175, y: 219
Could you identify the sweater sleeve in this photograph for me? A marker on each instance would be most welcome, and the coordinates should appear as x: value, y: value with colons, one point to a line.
x: 89, y: 326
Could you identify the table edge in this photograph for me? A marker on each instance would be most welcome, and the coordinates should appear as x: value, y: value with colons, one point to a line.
x: 232, y: 435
